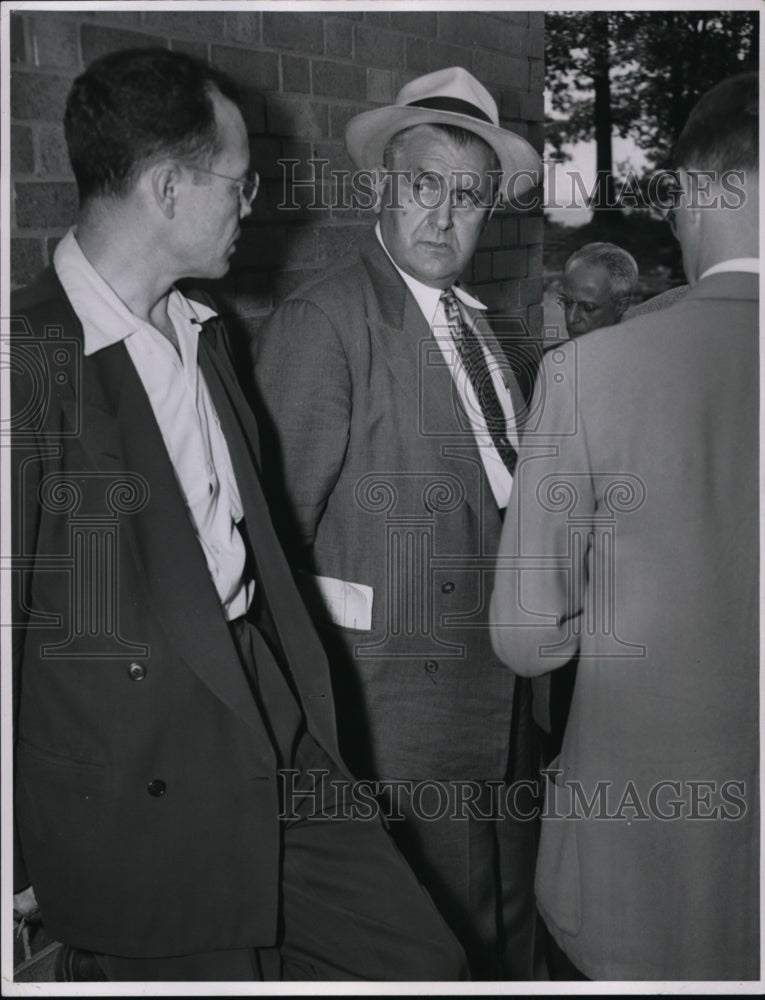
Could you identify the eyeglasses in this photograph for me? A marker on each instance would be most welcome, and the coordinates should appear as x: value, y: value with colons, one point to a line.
x: 247, y: 188
x: 431, y: 190
x: 588, y: 308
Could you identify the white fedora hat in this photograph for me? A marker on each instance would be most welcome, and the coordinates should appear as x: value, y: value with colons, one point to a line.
x: 450, y: 97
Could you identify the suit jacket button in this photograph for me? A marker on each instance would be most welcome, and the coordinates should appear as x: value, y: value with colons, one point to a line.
x: 136, y: 672
x: 447, y: 587
x: 431, y: 666
x: 156, y: 787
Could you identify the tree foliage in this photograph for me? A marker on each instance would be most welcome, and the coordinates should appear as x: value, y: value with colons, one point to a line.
x: 639, y: 73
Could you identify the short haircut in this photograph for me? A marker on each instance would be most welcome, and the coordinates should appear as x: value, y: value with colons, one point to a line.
x: 619, y: 263
x: 458, y: 135
x: 722, y: 131
x: 135, y: 106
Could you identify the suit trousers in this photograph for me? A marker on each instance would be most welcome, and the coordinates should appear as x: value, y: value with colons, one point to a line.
x: 351, y: 908
x: 518, y: 841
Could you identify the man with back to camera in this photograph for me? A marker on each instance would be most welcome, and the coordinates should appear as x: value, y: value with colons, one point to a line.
x: 599, y: 280
x: 165, y: 667
x: 390, y: 419
x: 635, y: 518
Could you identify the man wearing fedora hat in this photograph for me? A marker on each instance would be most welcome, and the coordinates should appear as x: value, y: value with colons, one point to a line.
x: 172, y: 701
x: 390, y: 419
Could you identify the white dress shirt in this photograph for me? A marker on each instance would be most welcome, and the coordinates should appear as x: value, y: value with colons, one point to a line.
x: 182, y: 407
x: 429, y: 301
x: 749, y: 265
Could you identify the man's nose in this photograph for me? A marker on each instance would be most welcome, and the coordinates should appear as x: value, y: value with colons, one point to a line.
x: 441, y: 214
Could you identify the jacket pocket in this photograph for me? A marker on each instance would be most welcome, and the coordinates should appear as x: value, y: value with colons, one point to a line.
x: 52, y: 758
x: 59, y: 800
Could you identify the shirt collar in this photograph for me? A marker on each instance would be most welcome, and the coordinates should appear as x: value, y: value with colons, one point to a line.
x: 750, y: 265
x: 427, y: 298
x: 104, y: 316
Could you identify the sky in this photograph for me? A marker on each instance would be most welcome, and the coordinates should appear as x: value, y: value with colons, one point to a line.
x: 583, y: 163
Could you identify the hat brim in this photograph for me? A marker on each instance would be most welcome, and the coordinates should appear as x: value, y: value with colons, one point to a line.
x: 367, y: 135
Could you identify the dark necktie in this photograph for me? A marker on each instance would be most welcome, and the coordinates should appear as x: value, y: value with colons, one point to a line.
x: 474, y: 362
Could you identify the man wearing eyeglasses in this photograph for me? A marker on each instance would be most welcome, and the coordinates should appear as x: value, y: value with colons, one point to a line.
x: 173, y: 698
x: 393, y: 416
x: 599, y: 281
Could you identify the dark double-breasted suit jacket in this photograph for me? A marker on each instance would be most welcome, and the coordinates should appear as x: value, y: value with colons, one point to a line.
x: 145, y: 782
x: 382, y: 484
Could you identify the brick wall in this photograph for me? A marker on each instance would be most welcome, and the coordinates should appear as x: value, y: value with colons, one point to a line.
x: 302, y: 76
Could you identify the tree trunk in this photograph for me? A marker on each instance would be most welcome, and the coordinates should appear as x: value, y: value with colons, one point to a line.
x: 604, y: 188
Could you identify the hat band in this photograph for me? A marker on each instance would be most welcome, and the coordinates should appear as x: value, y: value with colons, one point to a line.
x: 451, y: 104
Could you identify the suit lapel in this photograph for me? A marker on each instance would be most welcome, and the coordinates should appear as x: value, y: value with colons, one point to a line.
x: 106, y: 410
x: 303, y: 652
x: 162, y: 536
x: 411, y: 352
x: 416, y: 361
x: 413, y: 355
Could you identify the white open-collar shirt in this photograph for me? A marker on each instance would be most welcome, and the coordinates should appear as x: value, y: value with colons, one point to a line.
x: 182, y: 406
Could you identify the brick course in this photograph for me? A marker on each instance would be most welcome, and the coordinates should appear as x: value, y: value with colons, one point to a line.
x: 53, y: 43
x: 22, y: 150
x: 302, y: 77
x: 40, y: 205
x: 53, y: 159
x: 298, y: 32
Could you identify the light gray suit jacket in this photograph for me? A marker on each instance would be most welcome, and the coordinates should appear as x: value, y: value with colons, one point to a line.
x: 635, y: 515
x: 384, y: 486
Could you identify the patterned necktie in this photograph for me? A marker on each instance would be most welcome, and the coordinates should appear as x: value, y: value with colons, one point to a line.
x: 474, y: 362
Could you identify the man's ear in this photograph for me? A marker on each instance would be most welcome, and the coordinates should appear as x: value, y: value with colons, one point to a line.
x: 380, y: 179
x: 689, y: 194
x: 622, y: 305
x: 165, y: 187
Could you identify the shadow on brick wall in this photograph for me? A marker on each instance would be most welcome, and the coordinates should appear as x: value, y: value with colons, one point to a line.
x: 302, y: 77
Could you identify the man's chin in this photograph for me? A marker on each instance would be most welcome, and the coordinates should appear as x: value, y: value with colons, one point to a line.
x: 213, y: 272
x: 438, y: 277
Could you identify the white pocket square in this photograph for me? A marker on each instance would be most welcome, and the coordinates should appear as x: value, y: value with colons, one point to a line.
x: 346, y: 604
